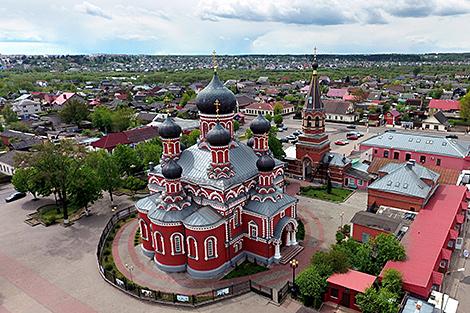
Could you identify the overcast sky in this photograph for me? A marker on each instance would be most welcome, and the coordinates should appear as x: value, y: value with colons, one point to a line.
x: 233, y: 26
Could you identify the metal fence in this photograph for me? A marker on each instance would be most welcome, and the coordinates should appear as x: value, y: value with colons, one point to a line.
x: 162, y: 297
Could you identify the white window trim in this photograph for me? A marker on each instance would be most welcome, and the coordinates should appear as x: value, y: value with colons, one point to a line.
x: 195, y: 248
x: 142, y: 222
x: 252, y: 224
x: 283, y: 213
x: 214, y: 248
x: 173, y: 252
x: 162, y: 244
x: 236, y: 218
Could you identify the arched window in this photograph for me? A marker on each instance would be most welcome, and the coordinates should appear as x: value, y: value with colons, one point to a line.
x: 309, y: 121
x: 176, y: 244
x: 317, y: 121
x: 143, y: 230
x: 253, y: 229
x: 192, y: 248
x: 158, y: 243
x: 236, y: 220
x: 210, y: 247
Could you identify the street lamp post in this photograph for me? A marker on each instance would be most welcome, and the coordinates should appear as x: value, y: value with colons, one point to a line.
x: 462, y: 269
x: 130, y: 268
x: 293, y: 264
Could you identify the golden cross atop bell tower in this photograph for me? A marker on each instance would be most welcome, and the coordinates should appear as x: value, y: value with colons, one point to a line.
x: 215, y: 65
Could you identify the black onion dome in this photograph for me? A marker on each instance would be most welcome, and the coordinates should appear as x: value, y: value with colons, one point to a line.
x: 218, y: 136
x: 250, y: 142
x: 315, y: 64
x: 169, y: 129
x: 171, y: 170
x: 260, y: 125
x: 215, y: 90
x: 265, y: 163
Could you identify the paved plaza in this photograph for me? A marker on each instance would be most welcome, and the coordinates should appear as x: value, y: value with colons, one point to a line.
x: 54, y: 269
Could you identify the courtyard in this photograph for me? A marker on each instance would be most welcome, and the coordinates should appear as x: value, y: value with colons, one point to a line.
x: 54, y: 269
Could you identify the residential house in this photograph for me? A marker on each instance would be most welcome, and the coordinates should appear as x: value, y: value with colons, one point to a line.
x: 65, y: 98
x: 127, y: 137
x: 437, y: 121
x: 339, y: 111
x: 267, y: 108
x: 337, y: 93
x: 7, y: 162
x: 392, y: 117
x: 25, y: 108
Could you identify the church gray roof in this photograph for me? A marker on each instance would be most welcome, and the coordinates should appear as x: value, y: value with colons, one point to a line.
x: 336, y: 159
x: 268, y: 207
x: 195, y: 162
x: 406, y: 179
x: 420, y: 143
x: 204, y: 216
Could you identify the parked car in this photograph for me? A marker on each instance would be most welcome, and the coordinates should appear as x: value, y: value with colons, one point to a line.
x: 284, y: 140
x: 351, y: 126
x: 284, y: 127
x: 352, y: 136
x: 294, y: 141
x: 341, y: 142
x: 452, y: 136
x: 297, y: 133
x: 15, y: 196
x: 280, y: 129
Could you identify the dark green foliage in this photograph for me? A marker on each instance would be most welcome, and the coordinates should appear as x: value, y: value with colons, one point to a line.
x: 311, y: 285
x: 74, y: 112
x: 149, y: 151
x: 337, y: 260
x: 245, y: 269
x: 336, y: 194
x: 127, y: 159
x: 392, y: 280
x: 9, y: 115
x: 277, y: 119
x: 191, y: 139
x: 300, y: 235
x: 133, y: 183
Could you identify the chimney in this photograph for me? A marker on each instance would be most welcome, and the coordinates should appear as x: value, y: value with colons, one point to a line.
x: 411, y: 163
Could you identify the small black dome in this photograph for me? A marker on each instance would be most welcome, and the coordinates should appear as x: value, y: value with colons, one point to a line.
x: 260, y: 125
x: 315, y: 64
x: 215, y: 90
x: 218, y: 136
x: 169, y: 129
x: 171, y: 170
x: 265, y: 163
x: 251, y: 142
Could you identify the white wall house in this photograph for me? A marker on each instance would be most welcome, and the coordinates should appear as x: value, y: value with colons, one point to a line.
x: 26, y: 107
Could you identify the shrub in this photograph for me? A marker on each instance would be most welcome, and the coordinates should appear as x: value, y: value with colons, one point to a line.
x: 134, y: 183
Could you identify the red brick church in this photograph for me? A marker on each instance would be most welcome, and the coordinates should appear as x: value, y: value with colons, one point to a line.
x: 218, y: 201
x: 312, y: 159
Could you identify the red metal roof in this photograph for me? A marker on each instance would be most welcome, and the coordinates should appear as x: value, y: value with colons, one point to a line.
x: 136, y: 135
x: 437, y: 278
x: 428, y: 235
x: 352, y: 279
x: 337, y: 92
x: 444, y: 105
x: 453, y: 234
x: 446, y: 254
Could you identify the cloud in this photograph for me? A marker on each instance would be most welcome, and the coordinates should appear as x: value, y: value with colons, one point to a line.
x: 90, y: 9
x: 285, y: 11
x: 327, y: 12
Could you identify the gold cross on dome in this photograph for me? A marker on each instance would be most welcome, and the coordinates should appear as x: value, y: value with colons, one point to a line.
x: 215, y: 65
x: 315, y: 53
x: 217, y: 107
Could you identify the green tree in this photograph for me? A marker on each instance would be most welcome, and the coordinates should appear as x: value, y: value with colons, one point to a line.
x: 74, y: 112
x: 102, y: 119
x: 84, y: 188
x: 465, y: 106
x: 436, y: 93
x: 392, y: 280
x: 269, y: 117
x: 122, y: 119
x: 337, y: 260
x: 26, y: 180
x: 56, y: 165
x: 275, y: 145
x: 248, y: 133
x: 277, y: 119
x: 185, y: 99
x: 127, y: 159
x: 311, y: 286
x: 149, y: 151
x: 373, y: 301
x: 387, y: 248
x: 236, y: 125
x: 191, y: 139
x: 9, y: 115
x: 107, y: 171
x: 278, y: 107
x: 416, y: 71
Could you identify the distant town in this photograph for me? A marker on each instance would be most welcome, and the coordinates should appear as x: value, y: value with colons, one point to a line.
x: 335, y: 182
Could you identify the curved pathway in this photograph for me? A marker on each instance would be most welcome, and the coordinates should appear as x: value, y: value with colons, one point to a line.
x: 146, y: 274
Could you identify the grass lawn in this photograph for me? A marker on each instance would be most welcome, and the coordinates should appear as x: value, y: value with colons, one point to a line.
x: 48, y: 214
x: 336, y: 195
x: 244, y: 269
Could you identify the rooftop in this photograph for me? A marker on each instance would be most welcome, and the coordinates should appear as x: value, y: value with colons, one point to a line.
x: 427, y: 236
x: 353, y: 280
x: 424, y: 143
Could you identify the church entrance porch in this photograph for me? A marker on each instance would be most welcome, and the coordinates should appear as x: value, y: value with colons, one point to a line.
x: 285, y: 244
